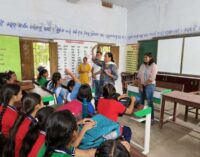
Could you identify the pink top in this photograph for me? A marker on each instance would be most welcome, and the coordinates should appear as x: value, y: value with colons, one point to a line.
x: 147, y: 72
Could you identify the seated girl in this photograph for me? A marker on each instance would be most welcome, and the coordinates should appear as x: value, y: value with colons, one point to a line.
x: 9, y: 96
x: 35, y: 137
x: 11, y: 77
x: 85, y: 96
x: 42, y: 76
x: 113, y: 148
x: 60, y: 137
x: 55, y: 86
x: 72, y: 86
x: 111, y: 108
x: 31, y: 103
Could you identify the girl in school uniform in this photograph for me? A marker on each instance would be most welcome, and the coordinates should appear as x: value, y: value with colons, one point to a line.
x: 35, y: 137
x: 72, y: 86
x: 111, y: 108
x: 60, y: 136
x: 11, y: 77
x: 55, y: 86
x: 85, y: 94
x: 113, y: 148
x: 10, y: 94
x: 31, y: 103
x: 42, y: 77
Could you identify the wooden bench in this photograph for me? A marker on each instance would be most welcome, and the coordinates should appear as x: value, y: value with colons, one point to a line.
x: 169, y: 85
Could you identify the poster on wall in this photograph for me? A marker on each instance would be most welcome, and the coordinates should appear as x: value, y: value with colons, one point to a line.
x: 71, y: 53
x: 10, y: 55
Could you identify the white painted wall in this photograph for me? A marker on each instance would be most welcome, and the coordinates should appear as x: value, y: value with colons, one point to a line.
x: 88, y: 18
x: 85, y: 20
x: 163, y: 18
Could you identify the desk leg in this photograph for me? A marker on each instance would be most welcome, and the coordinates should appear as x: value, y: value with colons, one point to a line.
x: 197, y: 113
x: 186, y: 114
x: 162, y: 112
x: 174, y: 113
x: 147, y: 134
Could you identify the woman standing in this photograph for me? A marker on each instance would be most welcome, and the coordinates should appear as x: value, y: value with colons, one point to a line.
x: 108, y: 72
x: 84, y: 69
x: 147, y: 76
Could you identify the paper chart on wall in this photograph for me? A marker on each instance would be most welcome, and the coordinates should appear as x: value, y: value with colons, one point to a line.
x: 71, y: 53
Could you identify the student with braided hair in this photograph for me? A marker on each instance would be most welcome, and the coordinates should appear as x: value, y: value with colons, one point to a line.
x: 42, y: 76
x: 113, y: 148
x: 55, y: 86
x: 60, y: 137
x: 31, y: 103
x: 35, y: 137
x: 9, y: 95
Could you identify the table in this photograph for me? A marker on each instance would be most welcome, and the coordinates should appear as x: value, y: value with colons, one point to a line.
x: 187, y: 99
x: 188, y: 110
x: 37, y: 89
x: 47, y: 96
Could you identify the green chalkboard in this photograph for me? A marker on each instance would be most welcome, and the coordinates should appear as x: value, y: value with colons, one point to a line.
x: 147, y: 46
x: 10, y: 55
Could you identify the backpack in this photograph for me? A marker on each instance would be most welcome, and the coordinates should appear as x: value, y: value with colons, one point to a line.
x: 105, y: 129
x: 74, y: 106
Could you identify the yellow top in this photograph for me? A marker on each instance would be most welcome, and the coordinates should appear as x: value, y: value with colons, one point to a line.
x: 84, y: 70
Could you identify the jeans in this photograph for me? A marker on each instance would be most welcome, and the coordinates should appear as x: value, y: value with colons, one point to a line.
x: 96, y: 85
x: 147, y: 94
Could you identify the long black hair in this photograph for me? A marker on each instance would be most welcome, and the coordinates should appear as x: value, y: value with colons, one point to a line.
x: 70, y: 84
x: 55, y: 78
x: 28, y: 105
x: 110, y: 55
x: 3, y: 79
x: 60, y: 129
x: 7, y: 92
x: 36, y: 126
x: 84, y: 92
x: 112, y: 148
x: 148, y: 54
x: 108, y: 91
x: 9, y: 74
x: 41, y: 73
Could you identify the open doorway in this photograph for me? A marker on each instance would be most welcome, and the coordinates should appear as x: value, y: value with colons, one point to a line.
x: 35, y: 53
x: 41, y: 56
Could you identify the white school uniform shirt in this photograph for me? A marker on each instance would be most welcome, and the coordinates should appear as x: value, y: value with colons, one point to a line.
x: 96, y: 68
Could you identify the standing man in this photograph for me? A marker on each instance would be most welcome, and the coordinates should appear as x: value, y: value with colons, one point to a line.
x: 96, y: 70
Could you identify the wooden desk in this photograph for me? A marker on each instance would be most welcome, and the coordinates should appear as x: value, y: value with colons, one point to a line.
x: 37, y: 89
x: 187, y: 99
x: 187, y: 109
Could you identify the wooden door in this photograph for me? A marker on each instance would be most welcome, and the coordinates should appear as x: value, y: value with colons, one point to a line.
x: 115, y: 52
x: 53, y: 57
x: 27, y: 63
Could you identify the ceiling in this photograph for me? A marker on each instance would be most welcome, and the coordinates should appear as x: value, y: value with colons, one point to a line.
x: 129, y: 4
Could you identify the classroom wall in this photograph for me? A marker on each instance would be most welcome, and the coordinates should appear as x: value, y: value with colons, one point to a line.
x: 59, y: 19
x: 153, y: 18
